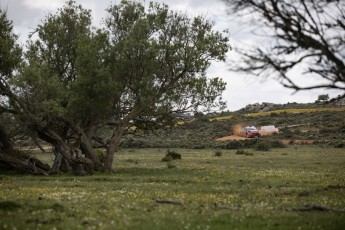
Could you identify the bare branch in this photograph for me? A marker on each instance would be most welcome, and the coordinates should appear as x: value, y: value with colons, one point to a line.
x: 303, y: 34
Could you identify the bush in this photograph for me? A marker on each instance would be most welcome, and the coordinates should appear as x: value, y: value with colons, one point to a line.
x: 263, y: 146
x: 198, y: 146
x: 234, y: 145
x: 277, y: 144
x: 171, y: 155
x: 167, y: 158
x: 133, y: 143
x: 243, y: 152
x: 57, y: 207
x: 286, y: 132
x: 328, y: 130
x: 9, y: 205
x: 337, y: 144
x: 218, y: 153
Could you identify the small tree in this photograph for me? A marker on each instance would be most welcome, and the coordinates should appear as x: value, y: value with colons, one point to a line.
x: 322, y: 98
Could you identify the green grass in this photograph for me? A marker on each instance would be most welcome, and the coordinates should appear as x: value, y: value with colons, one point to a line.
x: 267, y: 190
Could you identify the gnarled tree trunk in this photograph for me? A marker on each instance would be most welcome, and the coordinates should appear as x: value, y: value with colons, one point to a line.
x: 89, y: 151
x: 66, y: 158
x: 15, y: 160
x: 111, y: 148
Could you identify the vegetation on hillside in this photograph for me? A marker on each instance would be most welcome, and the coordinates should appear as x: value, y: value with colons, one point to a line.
x: 319, y: 124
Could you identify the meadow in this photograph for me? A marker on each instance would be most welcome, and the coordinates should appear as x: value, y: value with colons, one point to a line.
x: 298, y: 187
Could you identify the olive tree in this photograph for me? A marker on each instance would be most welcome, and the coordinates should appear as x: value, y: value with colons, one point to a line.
x: 136, y: 73
x: 10, y: 104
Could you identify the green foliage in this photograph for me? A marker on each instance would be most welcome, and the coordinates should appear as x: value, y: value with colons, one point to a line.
x: 262, y: 146
x: 10, y: 52
x: 142, y: 67
x: 133, y: 143
x: 234, y: 145
x: 337, y: 144
x: 244, y: 152
x: 218, y: 153
x: 171, y: 155
x: 57, y: 207
x: 167, y: 158
x: 238, y: 144
x: 9, y: 205
x: 276, y: 144
x: 322, y: 98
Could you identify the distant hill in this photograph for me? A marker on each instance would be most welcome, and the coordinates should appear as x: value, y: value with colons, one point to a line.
x: 323, y: 123
x: 266, y: 106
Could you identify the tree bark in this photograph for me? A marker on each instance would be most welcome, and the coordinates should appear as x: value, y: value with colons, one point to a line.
x: 89, y: 151
x: 111, y: 148
x: 78, y: 164
x: 21, y: 162
x: 5, y: 141
x: 11, y: 159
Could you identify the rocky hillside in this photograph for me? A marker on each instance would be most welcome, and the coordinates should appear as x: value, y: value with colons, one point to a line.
x: 305, y: 122
x: 267, y: 106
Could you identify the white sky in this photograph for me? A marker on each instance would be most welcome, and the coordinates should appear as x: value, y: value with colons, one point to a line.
x: 241, y: 89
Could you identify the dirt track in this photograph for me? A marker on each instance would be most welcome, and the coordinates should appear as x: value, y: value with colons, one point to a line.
x: 232, y: 137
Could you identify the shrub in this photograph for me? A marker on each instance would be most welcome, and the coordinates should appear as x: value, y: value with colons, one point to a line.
x: 133, y: 143
x: 57, y: 207
x: 234, y: 145
x: 9, y: 205
x: 171, y: 155
x: 342, y: 129
x: 249, y: 143
x: 337, y: 144
x: 218, y: 153
x: 286, y: 132
x: 328, y: 130
x: 277, y: 144
x: 167, y: 158
x: 263, y: 146
x: 243, y: 152
x: 198, y: 146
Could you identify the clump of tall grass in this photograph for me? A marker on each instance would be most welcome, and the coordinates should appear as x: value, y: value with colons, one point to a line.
x: 243, y: 152
x: 171, y: 155
x: 218, y: 153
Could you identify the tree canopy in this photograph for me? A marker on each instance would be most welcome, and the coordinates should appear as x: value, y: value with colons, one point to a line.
x: 137, y: 72
x: 305, y: 34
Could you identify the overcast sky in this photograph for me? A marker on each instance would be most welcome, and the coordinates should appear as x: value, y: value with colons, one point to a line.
x: 241, y: 89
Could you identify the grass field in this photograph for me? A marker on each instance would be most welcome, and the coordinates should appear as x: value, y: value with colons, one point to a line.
x: 299, y: 187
